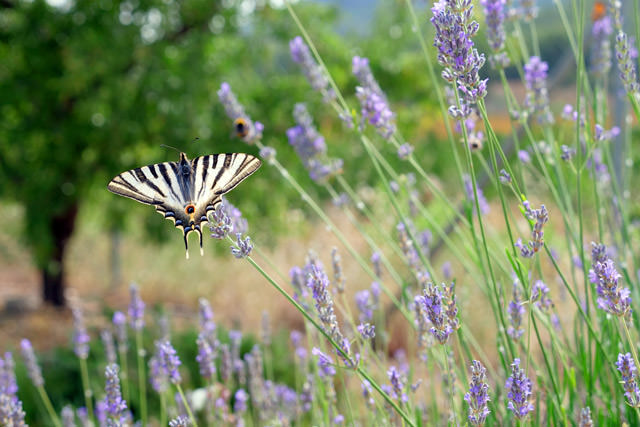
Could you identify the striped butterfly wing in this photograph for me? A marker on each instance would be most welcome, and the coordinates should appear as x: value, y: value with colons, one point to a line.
x: 186, y: 191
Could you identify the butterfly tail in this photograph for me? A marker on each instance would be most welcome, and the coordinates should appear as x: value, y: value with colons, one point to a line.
x: 186, y: 245
x: 201, y: 250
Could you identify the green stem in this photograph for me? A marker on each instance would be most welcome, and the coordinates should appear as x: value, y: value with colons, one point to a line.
x: 186, y: 405
x: 47, y: 403
x: 142, y: 382
x: 84, y: 372
x: 124, y: 373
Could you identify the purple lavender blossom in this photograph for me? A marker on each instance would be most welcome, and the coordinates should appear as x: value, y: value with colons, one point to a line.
x: 314, y: 73
x: 206, y: 323
x: 367, y: 393
x: 478, y: 395
x: 535, y: 80
x: 364, y: 305
x: 245, y: 128
x: 374, y: 106
x: 541, y: 217
x: 516, y: 312
x: 613, y: 297
x: 601, y: 134
x: 408, y: 249
x: 206, y: 358
x: 439, y: 310
x: 67, y: 416
x: 220, y: 223
x: 8, y: 384
x: 456, y: 52
x: 584, y: 419
x: 226, y: 363
x: 518, y: 391
x: 120, y: 325
x: 505, y: 177
x: 567, y: 153
x: 11, y: 413
x: 33, y: 369
x: 404, y: 151
x: 242, y: 247
x: 299, y: 350
x: 338, y: 420
x: 482, y: 201
x: 325, y: 363
x: 310, y: 146
x: 367, y: 330
x: 524, y: 156
x: 540, y: 296
x: 338, y: 276
x: 624, y: 52
x: 109, y: 346
x: 241, y: 398
x: 268, y: 154
x: 169, y: 361
x: 398, y: 382
x: 158, y: 377
x: 629, y: 372
x: 136, y: 309
x: 115, y: 404
x: 494, y: 11
x: 80, y: 336
x: 601, y: 46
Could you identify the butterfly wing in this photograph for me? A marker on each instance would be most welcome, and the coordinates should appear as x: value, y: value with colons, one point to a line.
x: 186, y: 192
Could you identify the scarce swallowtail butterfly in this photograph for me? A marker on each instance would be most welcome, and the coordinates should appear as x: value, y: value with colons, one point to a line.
x: 186, y: 191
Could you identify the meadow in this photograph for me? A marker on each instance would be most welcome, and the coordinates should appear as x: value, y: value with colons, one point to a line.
x: 443, y: 230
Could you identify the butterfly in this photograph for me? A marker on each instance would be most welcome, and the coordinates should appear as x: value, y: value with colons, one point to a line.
x: 186, y: 191
x: 599, y: 11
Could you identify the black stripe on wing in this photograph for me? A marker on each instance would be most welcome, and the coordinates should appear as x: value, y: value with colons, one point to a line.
x: 124, y: 187
x: 236, y: 168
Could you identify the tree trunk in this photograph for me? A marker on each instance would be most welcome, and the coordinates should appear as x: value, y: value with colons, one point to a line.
x: 53, y: 280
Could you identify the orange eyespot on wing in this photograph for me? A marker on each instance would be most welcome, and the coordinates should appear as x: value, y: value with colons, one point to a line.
x: 599, y: 11
x: 241, y: 127
x: 189, y: 209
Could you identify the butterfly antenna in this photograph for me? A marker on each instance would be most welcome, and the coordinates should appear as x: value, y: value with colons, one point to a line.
x: 168, y: 146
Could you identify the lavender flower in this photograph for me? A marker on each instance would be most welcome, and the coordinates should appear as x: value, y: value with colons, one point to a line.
x: 109, y: 346
x: 398, y: 382
x: 624, y: 52
x: 241, y: 398
x: 518, y: 391
x: 541, y: 217
x: 120, y: 325
x: 220, y: 223
x: 535, y: 80
x: 325, y: 363
x: 115, y: 404
x: 482, y: 202
x: 567, y: 153
x: 367, y: 331
x: 80, y: 335
x: 540, y: 296
x: 338, y: 276
x: 268, y: 154
x: 242, y: 248
x: 461, y: 61
x: 136, y: 309
x: 245, y: 128
x: 33, y: 369
x: 408, y: 249
x: 405, y: 151
x: 529, y: 10
x: 169, y: 361
x: 494, y: 11
x: 83, y: 416
x: 584, y: 419
x: 601, y: 46
x: 478, y: 395
x: 299, y: 350
x: 310, y: 146
x: 613, y: 297
x: 67, y: 415
x: 314, y: 73
x: 374, y: 106
x: 601, y: 134
x: 439, y: 309
x: 207, y: 325
x: 367, y: 393
x: 158, y: 377
x: 516, y: 312
x: 226, y: 363
x: 11, y: 413
x: 629, y: 373
x: 505, y: 177
x: 205, y: 358
x: 8, y: 384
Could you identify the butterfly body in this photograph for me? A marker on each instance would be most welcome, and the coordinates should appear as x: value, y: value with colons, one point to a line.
x: 187, y: 191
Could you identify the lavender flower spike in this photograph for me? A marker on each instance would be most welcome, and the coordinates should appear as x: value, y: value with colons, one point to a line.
x: 325, y: 363
x: 629, y: 373
x: 437, y: 307
x: 518, y: 388
x: 482, y: 201
x: 601, y: 46
x: 374, y: 106
x: 180, y: 421
x: 478, y: 395
x: 246, y: 129
x: 116, y: 406
x: 461, y: 61
x: 169, y: 361
x: 624, y: 50
x: 136, y: 309
x: 80, y: 335
x: 584, y: 419
x: 516, y: 312
x: 33, y: 369
x: 314, y: 73
x: 494, y: 11
x: 220, y: 223
x: 205, y: 358
x: 243, y: 247
x: 120, y: 325
x: 613, y: 297
x: 11, y: 413
x: 535, y: 80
